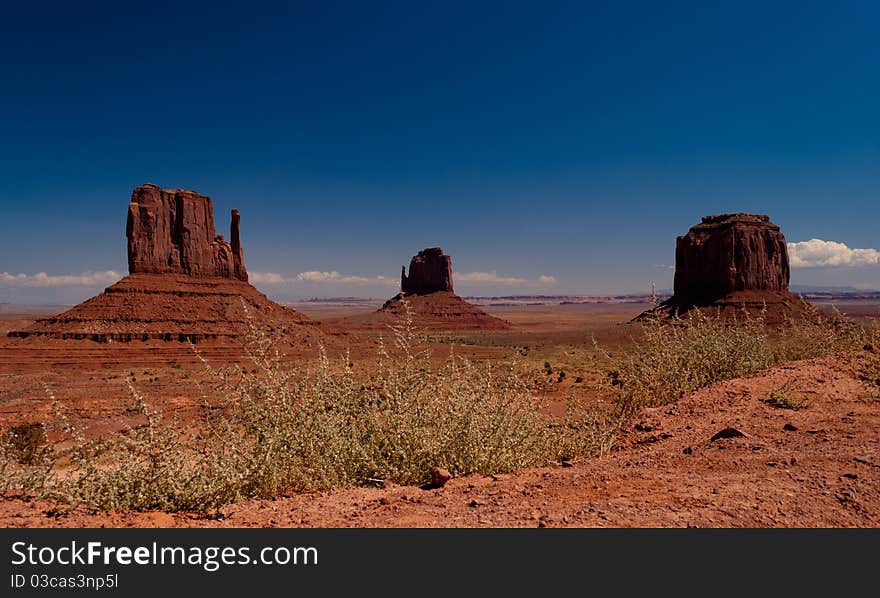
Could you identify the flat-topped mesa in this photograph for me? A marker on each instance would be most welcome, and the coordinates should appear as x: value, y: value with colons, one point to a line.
x: 171, y: 231
x: 429, y: 272
x: 728, y: 253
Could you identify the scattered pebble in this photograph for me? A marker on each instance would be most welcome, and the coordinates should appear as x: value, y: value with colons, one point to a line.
x: 439, y: 477
x: 728, y: 433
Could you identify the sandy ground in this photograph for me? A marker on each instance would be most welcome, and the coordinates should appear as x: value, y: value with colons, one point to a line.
x: 814, y: 467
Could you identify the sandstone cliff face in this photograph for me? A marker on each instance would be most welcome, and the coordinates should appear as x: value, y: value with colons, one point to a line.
x: 429, y: 272
x: 171, y: 231
x: 729, y: 253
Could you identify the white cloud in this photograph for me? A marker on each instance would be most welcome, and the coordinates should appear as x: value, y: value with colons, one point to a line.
x: 389, y: 281
x: 493, y: 278
x: 817, y: 253
x: 318, y: 276
x: 41, y: 279
x: 265, y: 278
x: 487, y: 277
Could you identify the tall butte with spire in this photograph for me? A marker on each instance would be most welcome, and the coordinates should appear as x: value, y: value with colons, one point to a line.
x: 171, y: 231
x: 433, y: 303
x: 186, y: 283
x: 732, y: 264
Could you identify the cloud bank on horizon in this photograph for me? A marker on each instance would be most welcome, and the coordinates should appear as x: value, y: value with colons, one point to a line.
x: 316, y: 276
x: 493, y: 278
x: 41, y: 279
x: 91, y: 279
x: 817, y: 253
x: 469, y: 278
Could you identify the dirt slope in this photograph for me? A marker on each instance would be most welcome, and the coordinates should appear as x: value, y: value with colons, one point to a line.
x: 143, y: 307
x: 666, y: 471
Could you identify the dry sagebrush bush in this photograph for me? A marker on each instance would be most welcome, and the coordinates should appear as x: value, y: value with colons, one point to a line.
x: 820, y: 335
x: 675, y: 358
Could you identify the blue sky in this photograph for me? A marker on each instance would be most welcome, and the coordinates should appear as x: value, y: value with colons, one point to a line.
x: 548, y: 147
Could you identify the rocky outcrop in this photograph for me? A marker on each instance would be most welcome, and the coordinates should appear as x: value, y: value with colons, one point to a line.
x: 729, y: 253
x: 171, y: 231
x: 239, y: 271
x: 734, y: 263
x: 426, y: 294
x: 187, y: 284
x: 429, y: 272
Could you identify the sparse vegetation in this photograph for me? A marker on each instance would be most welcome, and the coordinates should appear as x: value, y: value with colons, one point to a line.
x: 284, y: 430
x: 672, y: 359
x: 869, y: 371
x: 786, y: 397
x: 821, y: 335
x: 695, y: 351
x: 26, y: 442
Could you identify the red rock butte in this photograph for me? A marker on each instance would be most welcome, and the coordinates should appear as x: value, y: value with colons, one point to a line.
x: 171, y: 231
x: 734, y: 262
x: 186, y: 282
x: 432, y: 302
x: 429, y: 272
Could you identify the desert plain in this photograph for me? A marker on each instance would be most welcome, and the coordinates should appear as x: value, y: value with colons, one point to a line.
x: 811, y: 467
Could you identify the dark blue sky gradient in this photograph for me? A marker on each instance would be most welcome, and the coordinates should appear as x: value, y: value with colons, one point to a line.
x: 572, y: 140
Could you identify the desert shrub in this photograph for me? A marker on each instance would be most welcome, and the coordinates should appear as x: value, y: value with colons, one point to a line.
x: 281, y: 430
x: 154, y: 465
x: 26, y: 443
x: 819, y: 335
x: 673, y: 358
x: 326, y: 428
x: 786, y: 397
x: 689, y: 353
x: 868, y: 370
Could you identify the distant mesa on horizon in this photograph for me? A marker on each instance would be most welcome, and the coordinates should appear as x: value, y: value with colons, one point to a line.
x: 427, y: 290
x: 430, y: 271
x: 733, y: 262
